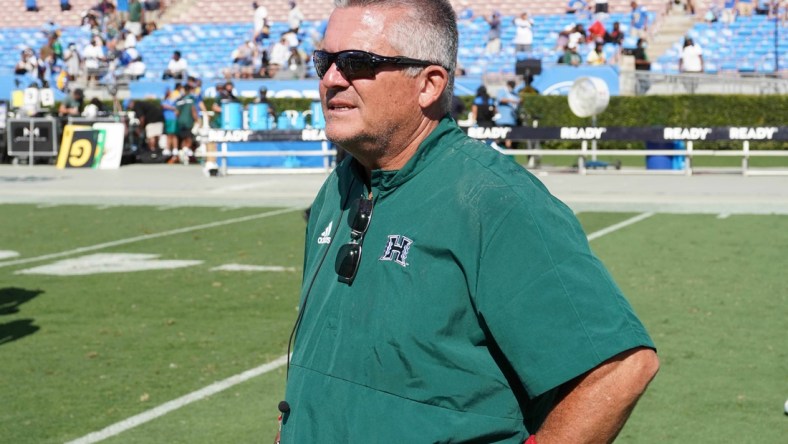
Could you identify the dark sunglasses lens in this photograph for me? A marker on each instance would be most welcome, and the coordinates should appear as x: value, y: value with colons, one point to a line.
x: 355, y: 65
x: 322, y: 61
x: 347, y: 262
x: 360, y: 215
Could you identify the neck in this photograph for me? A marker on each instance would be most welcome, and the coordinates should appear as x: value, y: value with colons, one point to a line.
x: 393, y: 158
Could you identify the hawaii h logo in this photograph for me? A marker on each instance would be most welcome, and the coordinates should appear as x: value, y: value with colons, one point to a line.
x: 397, y: 249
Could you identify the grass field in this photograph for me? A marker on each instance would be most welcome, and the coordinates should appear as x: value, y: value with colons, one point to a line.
x: 81, y: 352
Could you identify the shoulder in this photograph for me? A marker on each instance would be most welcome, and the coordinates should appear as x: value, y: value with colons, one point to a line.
x: 488, y: 181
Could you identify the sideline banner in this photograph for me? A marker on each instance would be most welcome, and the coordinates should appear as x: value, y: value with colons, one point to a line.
x: 81, y: 147
x: 113, y: 144
x: 558, y: 79
x: 656, y: 134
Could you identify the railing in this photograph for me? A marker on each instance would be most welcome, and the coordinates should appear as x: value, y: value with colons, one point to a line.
x: 587, y: 137
x: 652, y: 83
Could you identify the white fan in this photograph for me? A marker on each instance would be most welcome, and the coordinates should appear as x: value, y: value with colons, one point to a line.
x: 588, y: 97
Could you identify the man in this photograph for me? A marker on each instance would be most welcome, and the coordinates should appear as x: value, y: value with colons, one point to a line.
x: 176, y: 68
x: 691, y: 63
x: 638, y: 20
x: 72, y: 104
x: 186, y: 117
x: 508, y: 103
x: 294, y: 17
x: 151, y: 117
x: 136, y: 18
x: 642, y: 63
x: 477, y: 312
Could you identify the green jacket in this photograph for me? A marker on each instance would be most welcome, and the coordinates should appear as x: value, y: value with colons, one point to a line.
x: 477, y: 295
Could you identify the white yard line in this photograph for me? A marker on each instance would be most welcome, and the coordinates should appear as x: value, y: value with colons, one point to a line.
x: 167, y: 407
x: 723, y: 215
x: 619, y: 226
x: 147, y: 237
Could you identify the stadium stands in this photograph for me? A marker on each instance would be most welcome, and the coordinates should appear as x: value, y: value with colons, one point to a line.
x: 15, y: 16
x: 206, y: 31
x: 748, y: 45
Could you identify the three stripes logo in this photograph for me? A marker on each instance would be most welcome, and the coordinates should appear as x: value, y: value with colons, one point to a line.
x: 325, y: 236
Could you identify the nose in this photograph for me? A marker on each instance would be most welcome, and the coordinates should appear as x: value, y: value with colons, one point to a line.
x: 333, y: 78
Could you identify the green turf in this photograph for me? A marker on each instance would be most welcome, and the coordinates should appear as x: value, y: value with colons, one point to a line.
x: 80, y: 353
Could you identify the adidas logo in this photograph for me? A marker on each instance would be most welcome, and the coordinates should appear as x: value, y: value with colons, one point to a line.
x: 325, y: 236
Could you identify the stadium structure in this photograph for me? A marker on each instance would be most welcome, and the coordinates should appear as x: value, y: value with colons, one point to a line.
x: 742, y: 55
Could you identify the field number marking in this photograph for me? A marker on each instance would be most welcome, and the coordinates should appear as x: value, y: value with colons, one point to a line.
x: 108, y: 263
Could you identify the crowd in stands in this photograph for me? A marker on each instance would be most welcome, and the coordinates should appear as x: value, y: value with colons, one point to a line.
x: 266, y: 55
x: 114, y: 31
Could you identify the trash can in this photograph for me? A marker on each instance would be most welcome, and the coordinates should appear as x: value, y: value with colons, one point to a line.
x: 258, y: 117
x: 232, y: 116
x: 318, y: 119
x: 664, y: 162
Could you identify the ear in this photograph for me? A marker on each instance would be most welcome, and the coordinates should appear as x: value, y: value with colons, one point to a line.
x: 434, y: 81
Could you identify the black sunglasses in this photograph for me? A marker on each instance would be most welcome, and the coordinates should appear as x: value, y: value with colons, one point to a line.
x: 349, y: 256
x: 354, y: 64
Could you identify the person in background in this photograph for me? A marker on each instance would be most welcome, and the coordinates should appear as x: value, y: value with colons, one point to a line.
x: 483, y: 107
x: 596, y: 56
x: 691, y: 63
x: 262, y: 97
x: 260, y: 22
x: 524, y: 34
x: 95, y: 58
x: 494, y: 33
x: 136, y: 18
x: 187, y: 117
x: 638, y: 20
x: 151, y: 118
x: 72, y: 104
x: 177, y: 67
x: 507, y: 103
x: 642, y: 63
x: 601, y: 7
x: 570, y: 56
x: 73, y: 61
x: 27, y: 64
x: 294, y: 17
x: 279, y: 56
x: 616, y: 35
x: 170, y: 122
x: 744, y: 7
x: 65, y: 5
x: 447, y: 295
x: 576, y: 6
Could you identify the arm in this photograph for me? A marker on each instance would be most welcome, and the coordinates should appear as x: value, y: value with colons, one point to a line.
x: 594, y: 407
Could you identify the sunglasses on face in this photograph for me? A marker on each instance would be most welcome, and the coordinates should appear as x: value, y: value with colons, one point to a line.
x: 349, y: 256
x: 354, y: 64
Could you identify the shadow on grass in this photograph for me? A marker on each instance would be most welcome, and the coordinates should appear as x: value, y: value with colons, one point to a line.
x: 10, y: 300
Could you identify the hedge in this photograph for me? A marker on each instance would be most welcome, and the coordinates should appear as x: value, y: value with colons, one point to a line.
x: 674, y: 110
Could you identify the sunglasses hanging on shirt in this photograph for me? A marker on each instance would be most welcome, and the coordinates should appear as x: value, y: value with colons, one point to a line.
x: 349, y: 255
